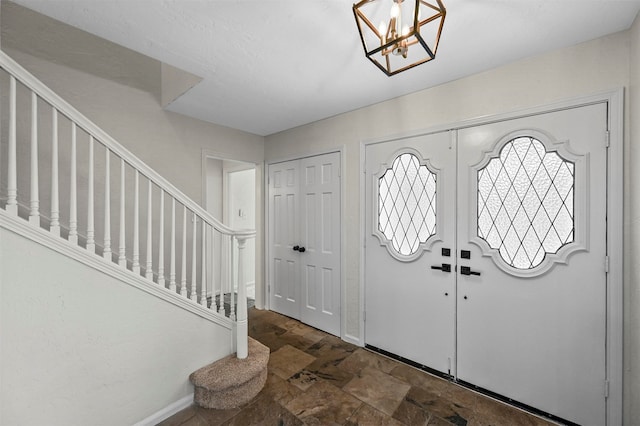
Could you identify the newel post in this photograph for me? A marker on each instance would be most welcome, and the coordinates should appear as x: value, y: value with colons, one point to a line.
x: 242, y: 327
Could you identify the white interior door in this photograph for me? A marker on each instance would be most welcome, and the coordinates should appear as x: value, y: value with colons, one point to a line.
x: 527, y: 230
x: 410, y: 194
x: 284, y: 271
x: 305, y: 246
x: 532, y: 215
x: 320, y: 239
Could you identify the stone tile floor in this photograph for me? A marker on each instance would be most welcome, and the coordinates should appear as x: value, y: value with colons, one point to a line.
x: 317, y: 379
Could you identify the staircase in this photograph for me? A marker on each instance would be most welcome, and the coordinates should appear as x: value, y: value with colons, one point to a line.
x: 103, y: 207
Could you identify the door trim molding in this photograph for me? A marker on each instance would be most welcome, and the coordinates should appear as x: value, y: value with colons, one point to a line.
x: 615, y: 226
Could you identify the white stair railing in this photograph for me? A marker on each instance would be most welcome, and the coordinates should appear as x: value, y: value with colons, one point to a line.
x: 104, y: 187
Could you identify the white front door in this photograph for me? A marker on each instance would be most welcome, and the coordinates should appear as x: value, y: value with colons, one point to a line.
x: 410, y: 307
x: 528, y: 254
x: 532, y: 214
x: 304, y: 238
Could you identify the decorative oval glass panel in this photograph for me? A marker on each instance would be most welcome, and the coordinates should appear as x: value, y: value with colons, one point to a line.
x: 526, y: 202
x: 407, y: 204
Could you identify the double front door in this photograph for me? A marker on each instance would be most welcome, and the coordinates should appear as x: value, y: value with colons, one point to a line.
x: 486, y: 258
x: 304, y: 240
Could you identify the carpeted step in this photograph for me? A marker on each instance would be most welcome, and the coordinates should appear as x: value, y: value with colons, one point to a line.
x: 231, y: 382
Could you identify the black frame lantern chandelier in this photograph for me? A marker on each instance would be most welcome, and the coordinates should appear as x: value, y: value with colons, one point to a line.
x: 407, y: 33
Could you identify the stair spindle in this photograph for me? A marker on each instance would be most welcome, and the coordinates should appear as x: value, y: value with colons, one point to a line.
x: 12, y: 171
x: 203, y: 264
x: 34, y: 214
x: 149, y: 266
x: 73, y: 190
x: 172, y: 266
x: 194, y: 295
x: 232, y: 287
x: 161, y: 281
x: 55, y: 198
x: 107, y: 206
x: 122, y: 252
x: 183, y: 270
x: 136, y: 223
x: 91, y: 232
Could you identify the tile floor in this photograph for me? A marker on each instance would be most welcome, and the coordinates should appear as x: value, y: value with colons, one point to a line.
x: 317, y: 379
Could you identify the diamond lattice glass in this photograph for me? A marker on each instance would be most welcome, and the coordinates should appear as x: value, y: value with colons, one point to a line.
x: 407, y: 204
x: 526, y: 202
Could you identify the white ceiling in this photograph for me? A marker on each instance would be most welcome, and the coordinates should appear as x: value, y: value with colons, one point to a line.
x: 270, y: 65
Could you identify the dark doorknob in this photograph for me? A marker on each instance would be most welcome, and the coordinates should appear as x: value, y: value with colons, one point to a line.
x: 296, y: 248
x: 465, y: 270
x: 446, y: 267
x: 302, y: 249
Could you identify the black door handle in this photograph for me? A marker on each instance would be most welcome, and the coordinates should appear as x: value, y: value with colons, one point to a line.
x: 465, y: 270
x: 446, y: 267
x: 296, y: 248
x: 302, y: 249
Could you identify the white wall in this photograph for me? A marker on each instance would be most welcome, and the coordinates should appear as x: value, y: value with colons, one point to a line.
x: 632, y: 244
x: 598, y: 65
x: 80, y: 348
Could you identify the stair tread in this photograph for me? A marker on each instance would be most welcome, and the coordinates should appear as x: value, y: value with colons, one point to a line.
x: 230, y: 371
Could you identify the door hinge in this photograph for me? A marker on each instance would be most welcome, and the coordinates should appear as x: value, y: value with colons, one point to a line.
x: 606, y: 264
x: 606, y: 389
x: 269, y: 288
x: 364, y: 315
x: 607, y: 139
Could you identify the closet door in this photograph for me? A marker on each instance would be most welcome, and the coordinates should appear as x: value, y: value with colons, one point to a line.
x: 305, y: 240
x: 320, y: 237
x: 284, y: 271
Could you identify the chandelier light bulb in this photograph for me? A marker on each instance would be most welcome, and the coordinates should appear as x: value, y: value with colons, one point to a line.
x: 382, y: 29
x: 395, y: 10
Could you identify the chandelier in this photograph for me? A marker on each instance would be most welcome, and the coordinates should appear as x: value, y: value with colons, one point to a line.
x: 406, y: 34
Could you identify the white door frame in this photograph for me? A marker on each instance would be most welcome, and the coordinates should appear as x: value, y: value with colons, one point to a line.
x: 615, y: 224
x: 343, y: 241
x: 259, y: 227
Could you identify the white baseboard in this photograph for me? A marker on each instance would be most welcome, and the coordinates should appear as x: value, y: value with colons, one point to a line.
x: 167, y: 411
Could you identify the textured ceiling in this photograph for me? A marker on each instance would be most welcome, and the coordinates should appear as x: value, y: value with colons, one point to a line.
x: 270, y: 65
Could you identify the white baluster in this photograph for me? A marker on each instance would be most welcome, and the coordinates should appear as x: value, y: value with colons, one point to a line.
x: 232, y: 287
x: 12, y: 171
x: 55, y: 203
x: 183, y: 281
x: 136, y: 223
x: 194, y: 291
x: 107, y: 206
x: 73, y: 197
x: 172, y: 266
x: 122, y: 253
x: 149, y: 265
x: 161, y: 242
x: 223, y: 278
x: 91, y: 232
x: 242, y: 327
x: 203, y: 278
x: 34, y: 214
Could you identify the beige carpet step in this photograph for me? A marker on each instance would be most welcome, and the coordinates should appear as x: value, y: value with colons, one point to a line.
x: 231, y: 382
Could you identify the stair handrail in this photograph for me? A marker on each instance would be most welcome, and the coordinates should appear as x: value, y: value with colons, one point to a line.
x: 62, y: 107
x: 68, y: 110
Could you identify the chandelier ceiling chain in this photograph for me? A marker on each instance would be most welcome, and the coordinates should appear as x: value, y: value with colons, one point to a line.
x: 407, y: 33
